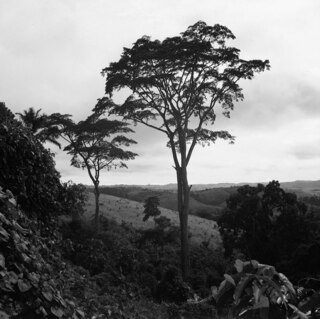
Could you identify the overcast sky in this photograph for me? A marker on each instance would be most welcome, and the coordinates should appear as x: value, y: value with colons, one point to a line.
x: 52, y: 53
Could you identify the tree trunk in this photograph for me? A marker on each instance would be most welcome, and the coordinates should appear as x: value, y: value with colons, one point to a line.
x: 96, y: 215
x: 184, y: 223
x: 183, y: 209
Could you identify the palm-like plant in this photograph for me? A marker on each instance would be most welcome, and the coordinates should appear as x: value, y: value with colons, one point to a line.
x: 44, y: 127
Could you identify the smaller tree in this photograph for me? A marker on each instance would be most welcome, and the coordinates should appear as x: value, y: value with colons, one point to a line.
x: 151, y: 207
x: 96, y: 144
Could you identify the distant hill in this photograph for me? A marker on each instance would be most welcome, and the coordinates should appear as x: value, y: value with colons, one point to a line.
x: 206, y: 200
x: 303, y: 188
x: 298, y: 185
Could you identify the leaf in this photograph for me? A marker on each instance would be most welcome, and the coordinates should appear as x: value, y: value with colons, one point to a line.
x: 80, y: 312
x: 26, y: 258
x: 13, y: 201
x: 47, y: 295
x: 287, y: 284
x: 24, y: 285
x: 58, y: 312
x: 3, y: 315
x: 34, y: 278
x: 13, y: 277
x: 229, y: 279
x: 4, y: 235
x: 4, y: 220
x: 2, y: 261
x: 214, y: 292
x: 238, y: 265
x: 43, y: 311
x: 242, y: 285
x: 248, y: 279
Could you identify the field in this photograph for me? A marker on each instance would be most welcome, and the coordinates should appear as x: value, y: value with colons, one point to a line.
x: 131, y: 212
x: 199, y: 202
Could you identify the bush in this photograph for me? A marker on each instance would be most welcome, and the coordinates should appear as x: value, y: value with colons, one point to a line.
x: 72, y: 198
x: 206, y: 214
x: 28, y: 170
x: 268, y: 224
x: 32, y: 279
x: 172, y: 288
x: 5, y: 114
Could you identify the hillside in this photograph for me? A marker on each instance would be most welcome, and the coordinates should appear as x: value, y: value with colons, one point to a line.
x: 303, y: 188
x: 131, y: 212
x: 199, y: 205
x: 206, y: 200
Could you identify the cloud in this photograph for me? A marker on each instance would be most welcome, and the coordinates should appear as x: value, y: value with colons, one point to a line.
x: 52, y: 52
x: 307, y: 151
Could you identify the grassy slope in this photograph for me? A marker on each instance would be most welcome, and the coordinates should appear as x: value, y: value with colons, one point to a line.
x: 209, y: 201
x: 167, y: 198
x: 131, y: 212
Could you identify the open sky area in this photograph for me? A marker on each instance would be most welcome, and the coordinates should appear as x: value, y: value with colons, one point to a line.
x: 52, y: 53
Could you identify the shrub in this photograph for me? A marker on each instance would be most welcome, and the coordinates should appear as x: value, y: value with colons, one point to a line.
x: 268, y: 224
x: 28, y: 170
x: 5, y: 114
x: 206, y: 214
x: 32, y: 277
x: 172, y: 288
x: 72, y: 198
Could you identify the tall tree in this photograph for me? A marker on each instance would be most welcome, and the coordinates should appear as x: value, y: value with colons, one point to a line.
x: 43, y: 126
x: 176, y: 86
x: 96, y: 144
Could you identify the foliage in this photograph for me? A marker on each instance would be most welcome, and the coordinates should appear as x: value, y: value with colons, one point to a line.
x: 266, y: 223
x: 28, y: 170
x: 313, y: 203
x: 118, y: 255
x: 5, y: 114
x: 43, y: 126
x: 203, y: 213
x: 28, y: 264
x: 313, y: 200
x: 176, y: 87
x: 151, y: 207
x: 162, y: 234
x: 36, y: 282
x: 72, y: 198
x: 259, y: 291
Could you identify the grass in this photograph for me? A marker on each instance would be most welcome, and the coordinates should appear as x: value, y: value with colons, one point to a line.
x: 168, y: 198
x: 131, y: 212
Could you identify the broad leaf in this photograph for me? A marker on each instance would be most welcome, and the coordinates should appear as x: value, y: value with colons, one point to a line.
x: 58, y: 312
x: 24, y: 285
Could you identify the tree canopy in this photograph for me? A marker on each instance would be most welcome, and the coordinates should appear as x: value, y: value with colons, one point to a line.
x: 180, y: 81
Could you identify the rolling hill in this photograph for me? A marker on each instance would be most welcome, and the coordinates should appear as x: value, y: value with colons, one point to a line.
x: 131, y: 212
x: 168, y: 199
